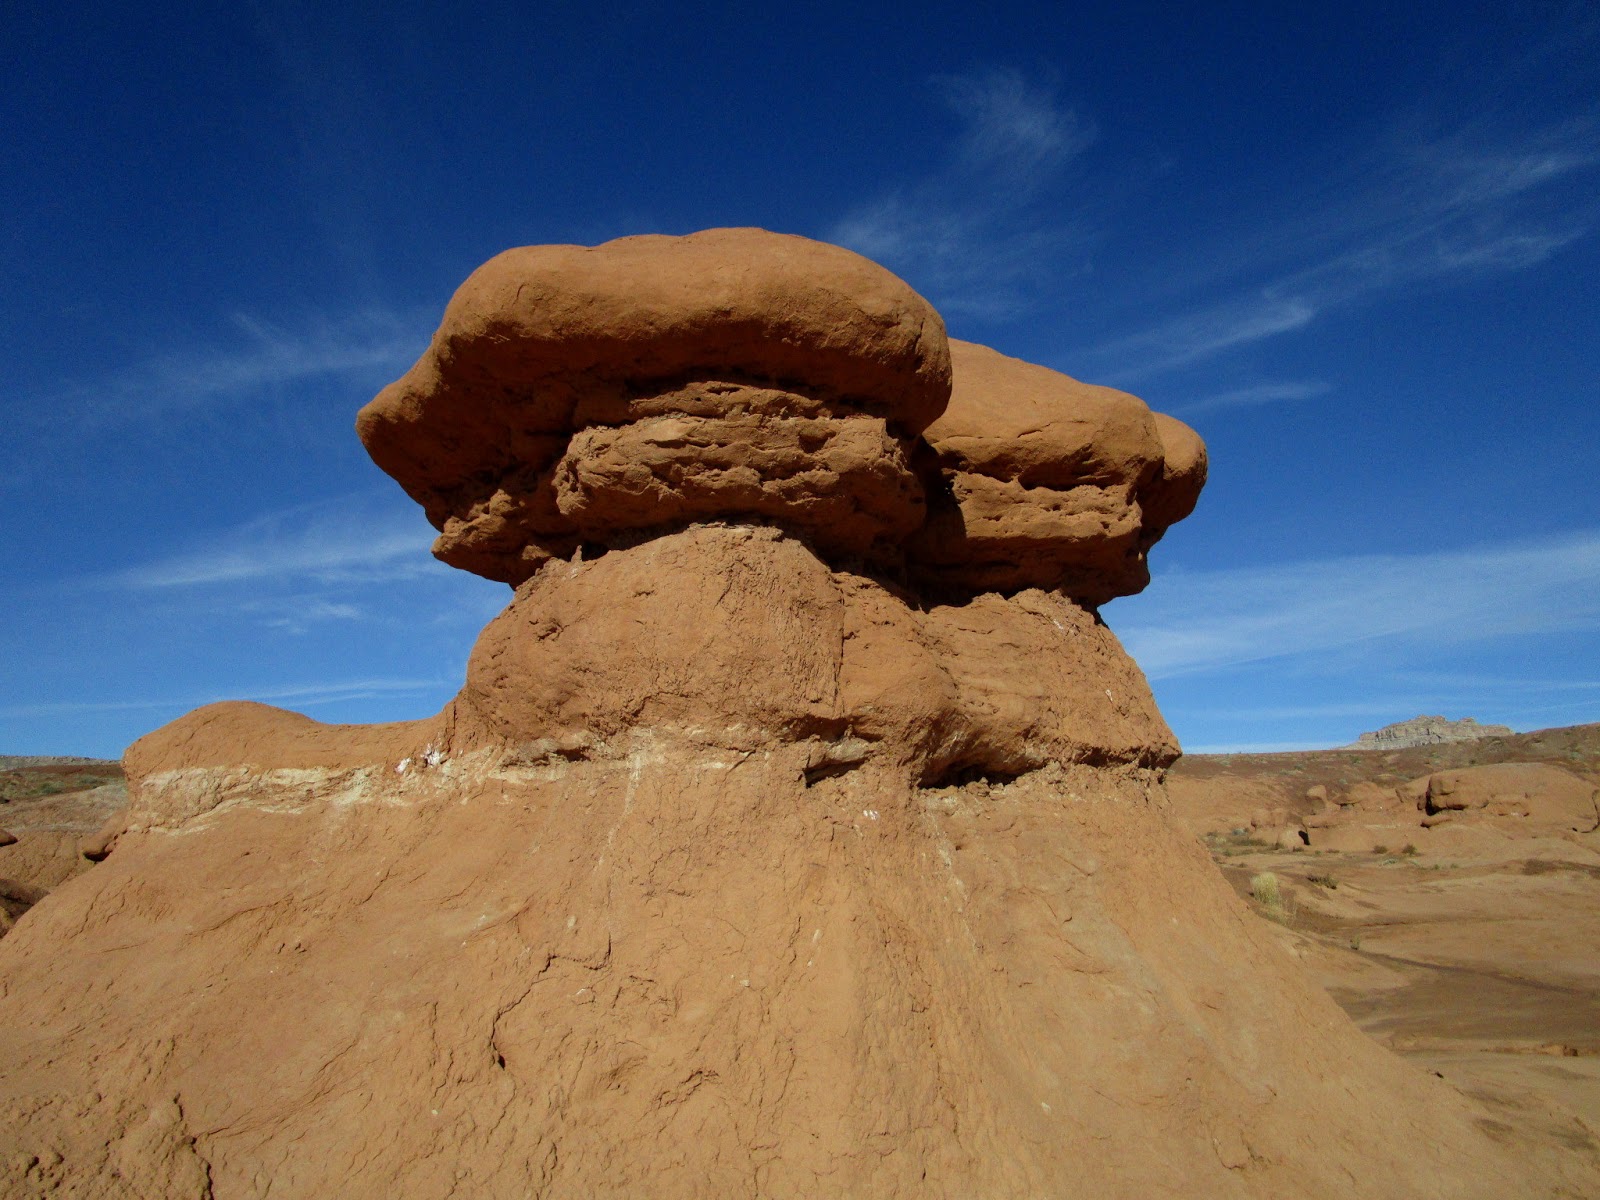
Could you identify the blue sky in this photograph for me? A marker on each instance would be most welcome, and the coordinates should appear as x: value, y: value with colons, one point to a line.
x: 1356, y: 247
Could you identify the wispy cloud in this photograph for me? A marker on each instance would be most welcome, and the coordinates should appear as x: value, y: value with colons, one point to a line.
x: 1201, y: 334
x: 1397, y: 695
x: 1013, y: 127
x: 345, y: 540
x: 1466, y: 681
x: 972, y: 233
x: 1383, y: 707
x: 1213, y: 620
x: 259, y: 358
x: 1254, y: 396
x: 298, y: 613
x: 1419, y: 211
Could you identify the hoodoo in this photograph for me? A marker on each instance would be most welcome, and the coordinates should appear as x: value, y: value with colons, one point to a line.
x: 799, y: 829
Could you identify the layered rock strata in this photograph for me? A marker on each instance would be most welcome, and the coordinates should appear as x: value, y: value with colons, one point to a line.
x: 576, y: 395
x: 1426, y: 731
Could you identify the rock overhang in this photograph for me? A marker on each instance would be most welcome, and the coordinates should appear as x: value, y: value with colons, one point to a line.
x: 579, y: 396
x: 791, y: 377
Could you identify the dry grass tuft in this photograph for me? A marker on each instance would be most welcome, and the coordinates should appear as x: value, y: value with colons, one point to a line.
x: 1269, y: 895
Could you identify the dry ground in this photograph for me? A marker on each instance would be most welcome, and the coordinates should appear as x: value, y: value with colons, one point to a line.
x: 47, y: 805
x: 1485, y: 971
x: 1488, y: 974
x: 67, y: 795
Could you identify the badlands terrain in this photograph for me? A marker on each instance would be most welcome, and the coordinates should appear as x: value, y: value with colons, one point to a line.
x: 800, y: 828
x: 1474, y: 952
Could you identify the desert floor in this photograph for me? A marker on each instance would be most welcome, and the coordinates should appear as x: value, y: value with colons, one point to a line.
x: 1484, y: 968
x: 1487, y: 973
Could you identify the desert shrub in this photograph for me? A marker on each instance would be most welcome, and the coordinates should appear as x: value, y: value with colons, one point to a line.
x: 1409, y: 850
x: 1269, y: 895
x: 1236, y: 841
x: 1323, y: 881
x: 1380, y: 849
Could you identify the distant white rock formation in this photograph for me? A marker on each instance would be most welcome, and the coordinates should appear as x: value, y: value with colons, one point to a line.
x: 1426, y: 731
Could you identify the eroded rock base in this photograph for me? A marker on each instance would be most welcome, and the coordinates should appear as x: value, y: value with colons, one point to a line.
x: 685, y: 971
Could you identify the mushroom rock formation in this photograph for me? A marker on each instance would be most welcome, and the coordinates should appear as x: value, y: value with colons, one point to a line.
x: 1050, y: 483
x: 747, y: 861
x: 575, y: 395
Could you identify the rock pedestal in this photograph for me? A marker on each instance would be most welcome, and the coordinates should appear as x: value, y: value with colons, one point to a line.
x: 799, y: 830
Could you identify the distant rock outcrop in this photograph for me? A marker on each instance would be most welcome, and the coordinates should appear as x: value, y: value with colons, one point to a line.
x: 1499, y: 799
x: 1528, y: 798
x: 799, y: 830
x: 47, y: 803
x: 1426, y: 731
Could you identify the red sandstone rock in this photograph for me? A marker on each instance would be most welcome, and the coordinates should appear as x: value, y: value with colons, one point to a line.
x: 99, y: 845
x: 730, y: 871
x: 1367, y: 798
x: 1051, y: 483
x: 846, y: 482
x: 16, y: 898
x: 41, y: 858
x: 665, y: 964
x: 684, y: 632
x: 1173, y: 493
x: 783, y: 375
x: 1534, y: 798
